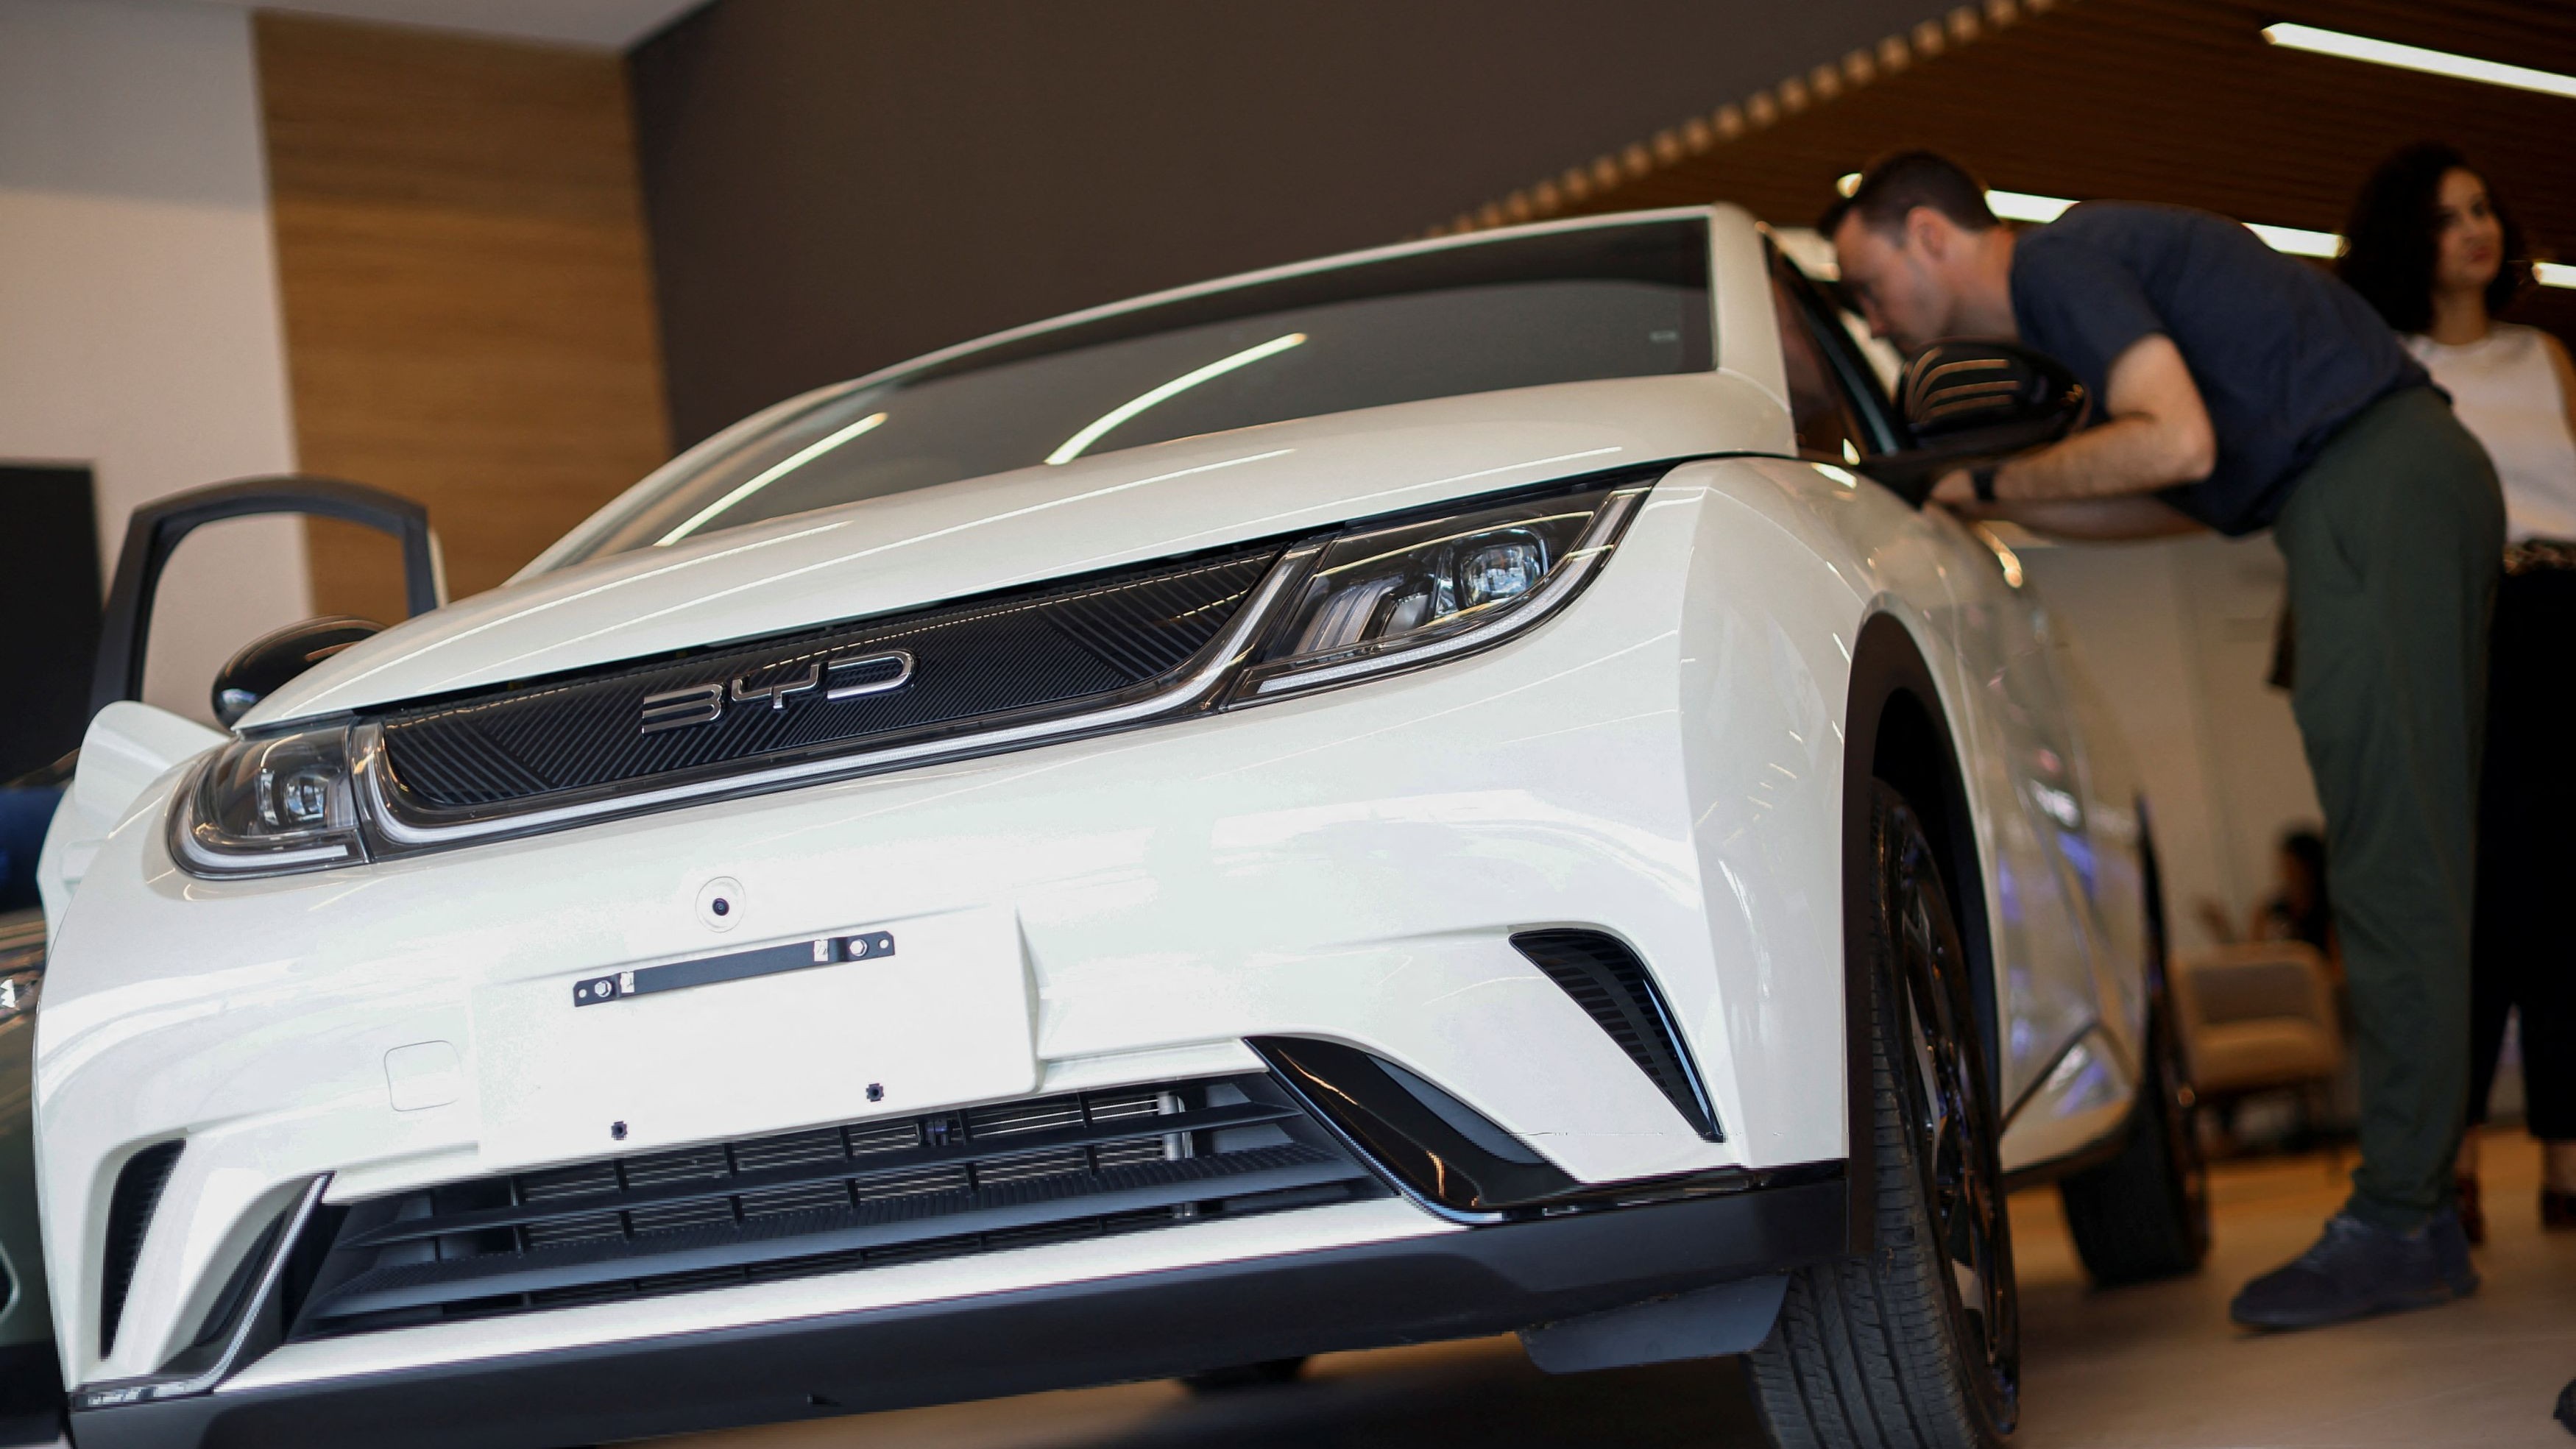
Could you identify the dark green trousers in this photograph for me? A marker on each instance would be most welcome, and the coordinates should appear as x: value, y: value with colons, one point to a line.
x: 2395, y: 540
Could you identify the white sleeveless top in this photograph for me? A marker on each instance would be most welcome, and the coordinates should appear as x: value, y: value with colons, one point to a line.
x: 2506, y: 393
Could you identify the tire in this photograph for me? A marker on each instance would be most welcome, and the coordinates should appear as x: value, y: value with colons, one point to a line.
x: 1917, y: 1345
x: 2144, y: 1214
x: 1246, y: 1376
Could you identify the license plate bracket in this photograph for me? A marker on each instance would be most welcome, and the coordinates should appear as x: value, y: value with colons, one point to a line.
x: 749, y: 1042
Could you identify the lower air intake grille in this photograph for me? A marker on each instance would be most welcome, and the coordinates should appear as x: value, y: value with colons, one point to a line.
x: 129, y: 1213
x: 829, y: 1200
x: 1614, y: 988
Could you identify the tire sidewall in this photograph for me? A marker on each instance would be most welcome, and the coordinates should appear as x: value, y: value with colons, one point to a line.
x: 1905, y: 862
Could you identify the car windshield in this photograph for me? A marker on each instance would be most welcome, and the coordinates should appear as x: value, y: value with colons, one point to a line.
x: 1567, y: 306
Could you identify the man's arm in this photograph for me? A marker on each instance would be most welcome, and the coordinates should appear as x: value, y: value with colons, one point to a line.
x: 2093, y: 520
x: 2158, y: 435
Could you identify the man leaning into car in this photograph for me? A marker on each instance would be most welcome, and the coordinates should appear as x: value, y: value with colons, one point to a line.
x: 2239, y: 389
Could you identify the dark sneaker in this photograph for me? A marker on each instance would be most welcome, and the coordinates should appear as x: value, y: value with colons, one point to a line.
x: 2356, y: 1270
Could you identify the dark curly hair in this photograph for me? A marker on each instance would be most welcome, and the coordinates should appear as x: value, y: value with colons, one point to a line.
x: 2392, y: 239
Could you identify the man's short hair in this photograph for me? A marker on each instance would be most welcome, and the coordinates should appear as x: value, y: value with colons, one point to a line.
x: 1894, y: 185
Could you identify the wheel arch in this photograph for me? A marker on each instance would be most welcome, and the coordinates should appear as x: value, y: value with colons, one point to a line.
x: 1896, y: 729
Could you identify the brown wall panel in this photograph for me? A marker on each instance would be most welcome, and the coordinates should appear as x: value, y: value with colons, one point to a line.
x: 466, y: 288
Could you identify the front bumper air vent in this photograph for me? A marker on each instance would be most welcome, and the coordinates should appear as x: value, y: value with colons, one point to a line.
x: 1615, y: 989
x: 829, y: 1200
x: 130, y: 1205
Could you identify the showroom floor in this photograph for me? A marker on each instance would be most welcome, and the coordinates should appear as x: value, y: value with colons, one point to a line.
x: 2153, y: 1366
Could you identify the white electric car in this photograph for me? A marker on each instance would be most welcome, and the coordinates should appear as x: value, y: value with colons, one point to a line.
x: 1421, y: 794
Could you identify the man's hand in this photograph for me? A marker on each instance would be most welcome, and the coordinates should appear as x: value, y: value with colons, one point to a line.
x: 2098, y: 483
x: 2100, y: 520
x: 2158, y: 435
x: 1957, y: 491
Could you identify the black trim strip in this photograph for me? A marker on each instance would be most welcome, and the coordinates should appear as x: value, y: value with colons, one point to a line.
x: 1446, y: 1155
x: 2092, y: 1154
x: 2039, y: 1079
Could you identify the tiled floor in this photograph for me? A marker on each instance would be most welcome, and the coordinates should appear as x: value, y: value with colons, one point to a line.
x: 2151, y: 1366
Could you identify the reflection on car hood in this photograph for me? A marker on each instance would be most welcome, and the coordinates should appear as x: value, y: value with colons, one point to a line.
x: 1035, y: 523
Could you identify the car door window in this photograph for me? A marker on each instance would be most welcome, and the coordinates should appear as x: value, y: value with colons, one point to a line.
x: 1836, y: 401
x: 1820, y: 411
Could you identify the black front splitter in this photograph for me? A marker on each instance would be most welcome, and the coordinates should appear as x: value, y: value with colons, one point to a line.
x: 1478, y: 1281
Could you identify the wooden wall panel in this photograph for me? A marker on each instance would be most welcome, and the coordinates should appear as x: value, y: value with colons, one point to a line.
x: 467, y: 294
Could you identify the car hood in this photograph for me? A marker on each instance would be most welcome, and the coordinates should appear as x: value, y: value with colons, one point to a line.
x: 1031, y: 524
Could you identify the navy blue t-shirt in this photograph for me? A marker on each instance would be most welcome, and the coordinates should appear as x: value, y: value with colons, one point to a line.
x: 2283, y: 353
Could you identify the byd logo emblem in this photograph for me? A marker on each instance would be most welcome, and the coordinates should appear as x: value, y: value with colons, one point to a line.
x: 848, y: 677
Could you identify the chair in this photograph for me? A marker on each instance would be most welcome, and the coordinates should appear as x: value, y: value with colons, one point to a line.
x: 2256, y: 1017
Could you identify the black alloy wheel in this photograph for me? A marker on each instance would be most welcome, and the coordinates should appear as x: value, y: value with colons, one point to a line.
x: 1954, y: 1120
x: 1919, y: 1342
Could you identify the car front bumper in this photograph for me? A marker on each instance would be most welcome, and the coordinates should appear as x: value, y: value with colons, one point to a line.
x: 1451, y: 1283
x: 1657, y: 762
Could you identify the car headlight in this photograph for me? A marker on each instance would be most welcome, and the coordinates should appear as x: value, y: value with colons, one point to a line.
x: 271, y: 804
x: 1415, y: 593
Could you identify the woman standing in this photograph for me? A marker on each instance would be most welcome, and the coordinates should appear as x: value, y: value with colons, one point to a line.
x: 2439, y: 256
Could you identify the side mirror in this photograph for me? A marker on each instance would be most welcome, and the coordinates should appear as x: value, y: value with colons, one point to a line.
x: 1968, y: 401
x: 272, y: 659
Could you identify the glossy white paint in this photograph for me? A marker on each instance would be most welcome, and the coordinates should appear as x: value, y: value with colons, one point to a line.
x: 127, y: 746
x: 1662, y: 760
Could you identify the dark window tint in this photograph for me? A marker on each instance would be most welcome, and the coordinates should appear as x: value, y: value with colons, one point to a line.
x: 1818, y: 409
x: 1836, y: 403
x: 1626, y: 301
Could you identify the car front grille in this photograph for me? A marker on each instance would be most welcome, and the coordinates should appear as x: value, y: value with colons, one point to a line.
x: 828, y: 1200
x: 1035, y: 652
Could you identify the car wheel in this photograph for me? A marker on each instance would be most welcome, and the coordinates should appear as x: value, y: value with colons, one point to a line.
x: 2145, y: 1213
x: 1918, y: 1343
x: 1246, y: 1376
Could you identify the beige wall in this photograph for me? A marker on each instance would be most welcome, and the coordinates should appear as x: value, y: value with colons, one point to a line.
x: 2178, y: 636
x: 468, y: 305
x: 138, y: 313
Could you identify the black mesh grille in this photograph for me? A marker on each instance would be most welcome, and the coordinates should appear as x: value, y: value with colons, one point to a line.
x: 829, y: 1200
x: 1614, y: 988
x: 1057, y: 647
x: 129, y: 1213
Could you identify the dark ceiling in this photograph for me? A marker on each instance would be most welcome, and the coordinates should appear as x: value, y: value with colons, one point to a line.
x: 2158, y: 100
x: 834, y: 185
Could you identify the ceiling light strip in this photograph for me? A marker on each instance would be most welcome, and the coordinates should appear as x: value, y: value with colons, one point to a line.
x: 2297, y: 241
x: 2319, y: 41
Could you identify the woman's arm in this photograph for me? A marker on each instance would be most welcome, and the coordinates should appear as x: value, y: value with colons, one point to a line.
x: 2566, y: 371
